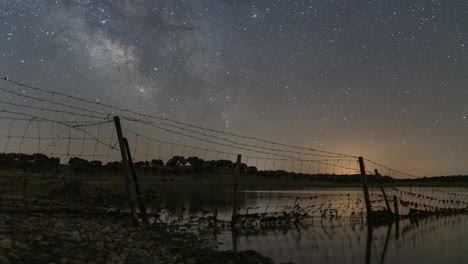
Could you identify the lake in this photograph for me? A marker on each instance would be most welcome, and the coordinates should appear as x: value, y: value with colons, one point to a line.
x: 341, y: 237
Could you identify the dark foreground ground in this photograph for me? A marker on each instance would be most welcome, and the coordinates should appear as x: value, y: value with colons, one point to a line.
x: 58, y: 238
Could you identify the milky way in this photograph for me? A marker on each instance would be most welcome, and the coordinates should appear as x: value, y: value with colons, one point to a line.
x: 383, y: 79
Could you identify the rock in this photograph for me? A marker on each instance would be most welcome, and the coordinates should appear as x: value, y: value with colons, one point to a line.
x: 191, y: 261
x: 13, y: 256
x: 110, y: 246
x: 63, y: 261
x: 113, y: 257
x: 81, y: 256
x: 43, y: 244
x: 140, y: 256
x: 4, y: 260
x: 91, y: 236
x: 59, y: 225
x: 21, y: 246
x: 99, y: 245
x: 6, y: 243
x: 74, y: 236
x: 106, y: 230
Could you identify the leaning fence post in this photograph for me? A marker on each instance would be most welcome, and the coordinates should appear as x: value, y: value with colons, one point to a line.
x: 123, y: 153
x: 141, y: 204
x: 234, y: 192
x: 365, y: 189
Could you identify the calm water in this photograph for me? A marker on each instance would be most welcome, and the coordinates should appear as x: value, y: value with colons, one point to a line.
x: 331, y: 240
x: 432, y: 240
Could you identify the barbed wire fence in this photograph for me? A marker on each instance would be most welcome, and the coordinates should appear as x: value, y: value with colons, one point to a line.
x: 66, y: 152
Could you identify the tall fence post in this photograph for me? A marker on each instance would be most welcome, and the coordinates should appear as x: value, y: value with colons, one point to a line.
x: 234, y: 193
x: 365, y: 189
x: 141, y: 204
x: 377, y: 174
x: 123, y: 153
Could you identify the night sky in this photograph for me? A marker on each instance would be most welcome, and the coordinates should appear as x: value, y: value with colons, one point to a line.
x: 384, y: 79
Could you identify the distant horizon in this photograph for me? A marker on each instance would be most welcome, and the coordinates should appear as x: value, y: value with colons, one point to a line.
x: 138, y: 163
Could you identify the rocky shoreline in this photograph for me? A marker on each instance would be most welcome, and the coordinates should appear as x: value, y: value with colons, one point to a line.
x: 62, y: 239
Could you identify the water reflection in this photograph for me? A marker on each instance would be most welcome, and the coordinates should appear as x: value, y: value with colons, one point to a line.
x: 329, y: 237
x: 430, y: 240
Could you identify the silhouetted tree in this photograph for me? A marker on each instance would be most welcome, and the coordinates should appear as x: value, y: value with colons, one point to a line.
x: 78, y: 165
x: 226, y: 164
x: 197, y: 164
x: 252, y: 170
x: 176, y: 162
x: 243, y: 167
x: 113, y: 166
x: 140, y: 165
x: 95, y: 166
x: 41, y: 162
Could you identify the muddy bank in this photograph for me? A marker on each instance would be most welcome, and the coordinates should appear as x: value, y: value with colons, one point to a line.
x: 60, y: 238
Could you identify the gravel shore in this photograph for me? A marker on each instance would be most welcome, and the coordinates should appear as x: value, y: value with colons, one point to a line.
x: 60, y: 238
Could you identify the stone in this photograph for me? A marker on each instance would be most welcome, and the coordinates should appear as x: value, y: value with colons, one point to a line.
x: 59, y: 225
x: 99, y: 245
x: 6, y: 243
x: 43, y: 244
x: 13, y: 256
x: 191, y: 261
x: 63, y: 261
x: 21, y: 246
x: 74, y: 236
x: 4, y: 260
x: 81, y: 256
x: 110, y: 246
x: 113, y: 257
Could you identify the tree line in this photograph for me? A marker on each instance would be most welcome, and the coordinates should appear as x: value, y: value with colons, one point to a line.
x: 179, y: 165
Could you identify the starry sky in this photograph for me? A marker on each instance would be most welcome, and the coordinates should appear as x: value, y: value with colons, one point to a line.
x: 384, y: 79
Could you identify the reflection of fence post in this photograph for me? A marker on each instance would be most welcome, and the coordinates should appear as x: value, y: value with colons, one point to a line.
x: 387, y: 239
x: 395, y: 204
x: 397, y: 217
x: 234, y: 235
x: 365, y: 189
x: 123, y: 153
x: 215, y: 219
x: 141, y: 204
x: 383, y: 191
x: 234, y: 192
x: 369, y: 243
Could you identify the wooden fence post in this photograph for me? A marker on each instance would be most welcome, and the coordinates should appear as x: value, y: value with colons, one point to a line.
x: 377, y: 174
x: 365, y: 189
x: 141, y: 204
x: 234, y: 193
x: 123, y: 153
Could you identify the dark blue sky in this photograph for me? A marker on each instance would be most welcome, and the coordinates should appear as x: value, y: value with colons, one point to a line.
x: 383, y: 79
